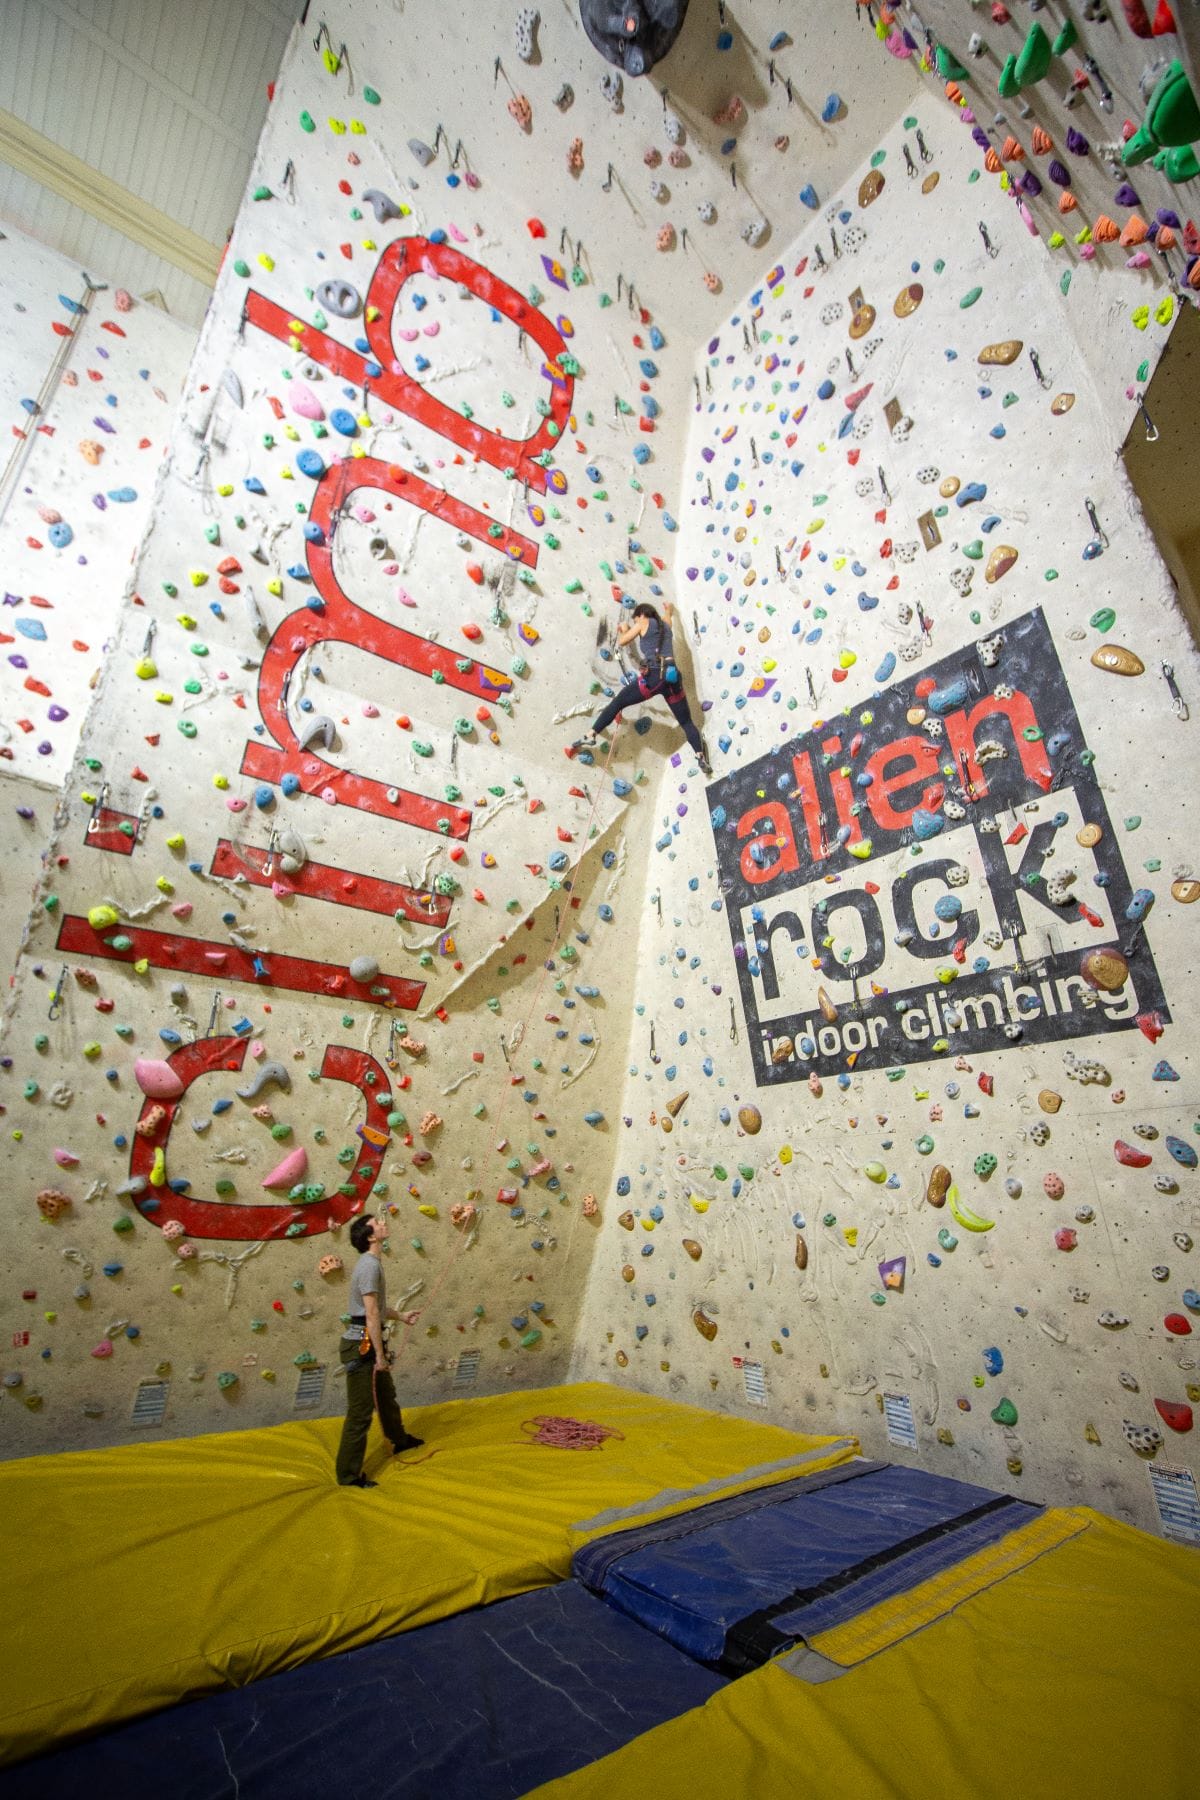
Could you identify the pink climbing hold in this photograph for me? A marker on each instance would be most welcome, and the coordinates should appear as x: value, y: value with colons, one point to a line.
x: 1066, y: 1238
x: 157, y: 1078
x: 305, y: 402
x: 1133, y: 1159
x: 103, y: 1348
x: 293, y: 1168
x: 66, y: 1159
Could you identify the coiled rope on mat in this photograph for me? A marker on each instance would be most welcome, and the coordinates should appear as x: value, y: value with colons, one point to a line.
x: 568, y: 1434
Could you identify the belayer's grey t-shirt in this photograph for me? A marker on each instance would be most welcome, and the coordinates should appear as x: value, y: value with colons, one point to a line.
x: 367, y: 1278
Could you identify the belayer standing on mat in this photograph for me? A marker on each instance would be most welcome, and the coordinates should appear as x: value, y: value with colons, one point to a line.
x: 368, y: 1378
x: 659, y: 676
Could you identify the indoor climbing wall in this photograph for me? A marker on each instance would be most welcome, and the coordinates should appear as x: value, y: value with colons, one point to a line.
x: 331, y: 921
x: 88, y: 380
x: 911, y: 1125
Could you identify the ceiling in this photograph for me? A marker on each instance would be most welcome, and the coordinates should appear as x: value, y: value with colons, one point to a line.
x: 127, y: 129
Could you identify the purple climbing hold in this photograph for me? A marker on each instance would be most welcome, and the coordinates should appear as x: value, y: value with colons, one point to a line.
x: 1165, y: 216
x: 1059, y: 174
x: 1077, y: 144
x: 1126, y: 195
x: 1029, y: 184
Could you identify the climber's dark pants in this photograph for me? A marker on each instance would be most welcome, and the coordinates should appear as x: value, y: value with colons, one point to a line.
x: 367, y: 1388
x: 645, y: 687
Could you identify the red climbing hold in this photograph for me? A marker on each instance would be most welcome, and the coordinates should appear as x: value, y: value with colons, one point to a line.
x: 1151, y: 1026
x: 1133, y: 1159
x: 535, y: 228
x: 1177, y: 1325
x: 475, y: 571
x: 1175, y: 1413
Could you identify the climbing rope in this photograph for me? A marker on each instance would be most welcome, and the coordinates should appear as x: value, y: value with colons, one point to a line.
x: 547, y: 963
x: 568, y: 1434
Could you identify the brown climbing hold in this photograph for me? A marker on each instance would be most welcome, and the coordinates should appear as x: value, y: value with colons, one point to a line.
x: 1049, y: 1101
x: 1000, y: 355
x: 622, y: 1360
x: 861, y: 321
x: 704, y: 1325
x: 908, y: 300
x: 627, y: 1272
x: 801, y: 1252
x: 750, y: 1120
x: 668, y: 1123
x: 694, y: 1250
x: 870, y: 187
x: 938, y: 1185
x: 829, y: 1011
x: 1088, y: 836
x: 999, y: 563
x: 52, y: 1201
x: 625, y: 1221
x: 1106, y: 969
x: 948, y: 488
x: 930, y: 182
x: 675, y: 1105
x: 1062, y: 403
x: 1185, y: 891
x: 781, y: 1049
x: 1117, y: 660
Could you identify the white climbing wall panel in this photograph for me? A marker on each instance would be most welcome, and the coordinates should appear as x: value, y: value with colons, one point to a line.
x: 894, y: 1127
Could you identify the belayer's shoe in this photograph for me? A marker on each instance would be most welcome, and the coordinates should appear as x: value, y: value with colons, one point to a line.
x: 363, y: 1481
x: 407, y: 1442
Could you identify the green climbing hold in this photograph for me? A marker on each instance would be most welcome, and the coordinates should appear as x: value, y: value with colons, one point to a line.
x: 1009, y: 87
x: 948, y: 65
x: 1034, y: 60
x: 910, y: 124
x: 241, y: 267
x: 1005, y: 1413
x: 879, y: 156
x: 1104, y: 619
x: 307, y: 122
x: 974, y: 549
x: 970, y: 297
x: 1067, y: 36
x: 370, y: 96
x: 1064, y: 281
x: 1051, y: 575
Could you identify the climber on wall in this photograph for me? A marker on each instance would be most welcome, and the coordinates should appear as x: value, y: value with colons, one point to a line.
x: 364, y: 1357
x: 659, y: 675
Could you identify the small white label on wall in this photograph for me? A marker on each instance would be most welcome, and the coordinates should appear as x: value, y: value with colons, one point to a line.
x: 1177, y: 1502
x: 901, y: 1426
x: 150, y: 1403
x: 310, y: 1389
x: 755, y: 1383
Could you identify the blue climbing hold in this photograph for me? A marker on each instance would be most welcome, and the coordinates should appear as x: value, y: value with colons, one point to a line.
x: 1162, y: 1071
x: 308, y: 463
x: 1182, y: 1152
x: 808, y: 195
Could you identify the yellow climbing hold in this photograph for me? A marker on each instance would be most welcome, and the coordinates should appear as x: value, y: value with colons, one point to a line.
x: 158, y: 1171
x: 101, y: 917
x: 970, y: 1221
x: 847, y: 659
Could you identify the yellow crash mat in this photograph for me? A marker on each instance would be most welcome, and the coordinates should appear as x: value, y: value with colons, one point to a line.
x: 1059, y: 1672
x: 139, y: 1575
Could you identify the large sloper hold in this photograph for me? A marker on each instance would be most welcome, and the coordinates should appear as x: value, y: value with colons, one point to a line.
x: 635, y: 35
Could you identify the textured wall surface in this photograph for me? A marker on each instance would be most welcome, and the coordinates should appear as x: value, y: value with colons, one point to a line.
x: 840, y: 1042
x: 867, y: 976
x: 87, y: 390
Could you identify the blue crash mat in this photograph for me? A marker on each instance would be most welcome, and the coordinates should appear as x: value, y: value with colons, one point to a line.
x: 734, y: 1583
x: 482, y: 1706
